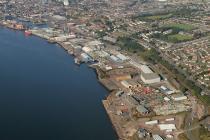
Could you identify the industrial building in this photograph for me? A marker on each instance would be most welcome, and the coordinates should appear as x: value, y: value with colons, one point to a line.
x: 87, y: 49
x: 179, y: 97
x: 85, y: 58
x: 152, y: 122
x: 95, y: 45
x: 122, y: 57
x: 167, y: 126
x: 114, y: 58
x: 141, y: 109
x: 157, y: 137
x: 132, y: 101
x: 166, y: 90
x: 148, y: 76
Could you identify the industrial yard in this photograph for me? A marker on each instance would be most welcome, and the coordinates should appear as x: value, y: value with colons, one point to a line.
x: 154, y: 63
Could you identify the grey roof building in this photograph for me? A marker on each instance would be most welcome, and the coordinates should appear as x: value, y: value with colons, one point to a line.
x: 141, y: 109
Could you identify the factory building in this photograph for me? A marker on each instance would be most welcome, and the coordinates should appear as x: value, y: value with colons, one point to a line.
x: 157, y: 137
x: 167, y: 126
x: 95, y: 45
x: 179, y: 97
x: 141, y: 109
x: 154, y: 122
x: 132, y: 101
x: 166, y: 90
x: 122, y: 57
x: 87, y: 49
x: 148, y: 76
x: 86, y: 58
x: 114, y: 58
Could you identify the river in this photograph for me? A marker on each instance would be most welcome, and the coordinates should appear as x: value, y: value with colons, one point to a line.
x: 45, y: 96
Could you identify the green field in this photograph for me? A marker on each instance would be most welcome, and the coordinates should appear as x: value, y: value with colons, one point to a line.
x: 180, y: 26
x: 179, y: 38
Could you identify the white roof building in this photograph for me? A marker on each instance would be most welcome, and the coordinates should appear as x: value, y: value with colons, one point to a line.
x: 145, y: 69
x: 122, y: 57
x: 87, y: 49
x: 167, y: 126
x: 148, y: 76
x: 114, y: 58
x: 152, y: 122
x: 157, y: 137
x: 179, y: 97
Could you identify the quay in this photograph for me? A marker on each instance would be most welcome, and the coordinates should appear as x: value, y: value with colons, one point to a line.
x: 117, y: 127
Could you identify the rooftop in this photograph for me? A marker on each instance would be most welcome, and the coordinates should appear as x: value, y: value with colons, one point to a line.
x: 145, y: 69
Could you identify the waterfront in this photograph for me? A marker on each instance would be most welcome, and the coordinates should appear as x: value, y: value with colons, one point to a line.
x: 44, y: 95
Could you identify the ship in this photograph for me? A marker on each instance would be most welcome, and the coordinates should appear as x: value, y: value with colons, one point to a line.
x: 27, y: 32
x: 76, y: 61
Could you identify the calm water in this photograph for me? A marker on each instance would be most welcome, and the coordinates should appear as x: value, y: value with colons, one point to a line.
x: 44, y: 96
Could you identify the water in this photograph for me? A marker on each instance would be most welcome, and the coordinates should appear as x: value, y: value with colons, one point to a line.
x: 45, y: 96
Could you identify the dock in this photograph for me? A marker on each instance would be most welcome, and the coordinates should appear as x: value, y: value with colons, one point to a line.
x: 115, y: 124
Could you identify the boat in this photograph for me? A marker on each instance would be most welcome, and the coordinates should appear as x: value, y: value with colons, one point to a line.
x: 27, y: 32
x: 76, y: 60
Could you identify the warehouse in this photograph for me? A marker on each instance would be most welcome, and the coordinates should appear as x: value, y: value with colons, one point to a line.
x: 95, y: 45
x: 102, y: 54
x: 166, y: 90
x: 122, y: 57
x: 152, y: 122
x: 87, y: 49
x: 132, y: 101
x: 157, y: 137
x: 86, y: 58
x: 141, y: 109
x: 179, y: 97
x: 167, y: 126
x: 114, y: 58
x: 148, y: 76
x: 119, y: 93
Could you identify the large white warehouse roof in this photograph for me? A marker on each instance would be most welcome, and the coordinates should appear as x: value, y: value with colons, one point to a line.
x: 167, y: 126
x: 157, y: 137
x: 145, y: 69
